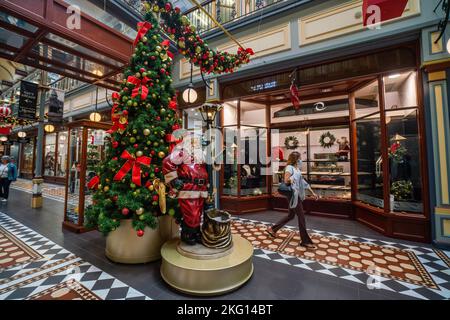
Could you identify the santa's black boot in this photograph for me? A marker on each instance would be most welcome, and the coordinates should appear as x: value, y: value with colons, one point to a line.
x: 188, y: 235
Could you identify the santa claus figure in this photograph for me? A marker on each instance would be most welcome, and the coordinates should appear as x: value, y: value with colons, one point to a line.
x: 186, y: 174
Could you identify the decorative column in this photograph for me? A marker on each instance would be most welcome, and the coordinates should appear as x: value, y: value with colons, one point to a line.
x: 38, y: 180
x: 436, y: 66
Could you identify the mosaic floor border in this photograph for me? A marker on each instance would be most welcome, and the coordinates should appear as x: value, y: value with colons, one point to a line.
x: 56, y: 267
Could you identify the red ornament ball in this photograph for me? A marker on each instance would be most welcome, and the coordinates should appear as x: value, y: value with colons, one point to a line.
x: 168, y: 6
x: 142, y: 70
x: 152, y: 152
x: 115, y: 144
x: 125, y: 112
x: 155, y: 198
x: 177, y: 10
x: 140, y: 233
x: 115, y: 198
x: 156, y: 170
x: 125, y: 211
x: 136, y: 146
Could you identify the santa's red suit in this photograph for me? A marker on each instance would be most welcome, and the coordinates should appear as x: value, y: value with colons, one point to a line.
x: 181, y: 165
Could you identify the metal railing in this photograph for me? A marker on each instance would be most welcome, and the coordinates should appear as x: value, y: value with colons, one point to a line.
x: 222, y: 10
x: 225, y: 11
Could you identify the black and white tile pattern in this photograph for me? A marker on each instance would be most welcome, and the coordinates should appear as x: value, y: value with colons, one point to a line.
x: 431, y: 261
x: 57, y: 266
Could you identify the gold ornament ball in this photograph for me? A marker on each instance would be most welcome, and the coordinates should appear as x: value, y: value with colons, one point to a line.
x: 161, y: 154
x: 158, y: 48
x: 140, y: 211
x: 146, y: 132
x: 156, y: 8
x: 106, y: 189
x: 139, y: 154
x: 142, y: 217
x: 151, y: 188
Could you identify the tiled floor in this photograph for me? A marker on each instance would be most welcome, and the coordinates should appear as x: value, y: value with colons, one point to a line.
x: 278, y: 274
x: 32, y: 268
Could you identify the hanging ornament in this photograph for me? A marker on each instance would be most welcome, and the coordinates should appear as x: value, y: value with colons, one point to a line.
x: 125, y: 211
x: 140, y: 233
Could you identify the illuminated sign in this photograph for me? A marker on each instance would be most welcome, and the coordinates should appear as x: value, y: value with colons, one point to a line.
x: 264, y: 86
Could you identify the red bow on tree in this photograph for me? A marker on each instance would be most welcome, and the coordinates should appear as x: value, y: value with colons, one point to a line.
x: 140, y: 87
x: 94, y: 182
x: 132, y: 163
x: 117, y: 124
x: 143, y: 28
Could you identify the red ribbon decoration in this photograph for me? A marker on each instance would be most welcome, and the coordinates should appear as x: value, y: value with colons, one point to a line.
x: 94, y: 182
x: 133, y: 164
x: 140, y: 87
x: 115, y: 118
x: 143, y: 28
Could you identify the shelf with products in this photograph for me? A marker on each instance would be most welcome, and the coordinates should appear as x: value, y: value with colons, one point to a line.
x: 325, y: 154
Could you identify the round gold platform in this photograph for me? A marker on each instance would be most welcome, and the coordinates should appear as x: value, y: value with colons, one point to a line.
x: 207, y: 277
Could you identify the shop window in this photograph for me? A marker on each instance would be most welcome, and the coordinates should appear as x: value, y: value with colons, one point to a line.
x: 27, y: 158
x: 370, y: 161
x: 404, y: 152
x: 253, y: 114
x: 50, y: 154
x: 367, y: 100
x: 230, y: 160
x: 400, y: 90
x: 62, y: 154
x: 253, y: 158
x: 230, y: 113
x: 325, y: 153
x: 283, y: 143
x: 82, y: 164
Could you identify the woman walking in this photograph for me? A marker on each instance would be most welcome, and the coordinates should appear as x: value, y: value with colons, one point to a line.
x: 293, y: 177
x: 8, y: 174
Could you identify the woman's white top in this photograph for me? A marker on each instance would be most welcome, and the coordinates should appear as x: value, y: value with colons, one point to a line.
x: 299, y: 185
x: 4, y: 170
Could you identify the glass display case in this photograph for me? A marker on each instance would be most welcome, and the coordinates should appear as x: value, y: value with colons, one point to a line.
x: 86, y: 147
x: 245, y: 161
x: 325, y: 154
x: 389, y: 172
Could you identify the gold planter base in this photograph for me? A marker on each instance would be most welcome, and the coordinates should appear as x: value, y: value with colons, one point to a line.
x: 211, y: 277
x: 124, y: 246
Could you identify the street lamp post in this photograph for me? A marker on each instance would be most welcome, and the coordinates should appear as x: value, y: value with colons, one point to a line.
x: 209, y: 113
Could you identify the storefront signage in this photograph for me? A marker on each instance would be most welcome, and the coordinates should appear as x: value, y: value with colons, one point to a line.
x: 56, y: 105
x: 28, y: 100
x: 263, y: 86
x: 7, y: 83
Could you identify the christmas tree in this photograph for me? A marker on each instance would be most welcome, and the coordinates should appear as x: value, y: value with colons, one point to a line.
x: 129, y: 183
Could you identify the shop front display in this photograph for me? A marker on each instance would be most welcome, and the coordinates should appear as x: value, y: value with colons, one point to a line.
x: 85, y: 149
x: 361, y: 140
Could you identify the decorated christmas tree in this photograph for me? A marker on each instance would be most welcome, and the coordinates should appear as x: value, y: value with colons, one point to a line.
x: 129, y: 183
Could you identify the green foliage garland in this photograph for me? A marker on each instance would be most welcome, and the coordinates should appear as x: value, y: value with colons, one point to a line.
x: 145, y: 113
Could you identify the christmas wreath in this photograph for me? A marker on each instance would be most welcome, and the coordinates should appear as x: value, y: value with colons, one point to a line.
x: 402, y: 190
x: 291, y: 143
x: 327, y: 140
